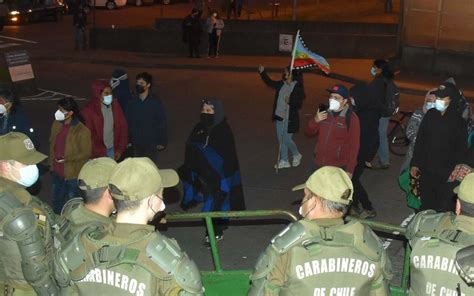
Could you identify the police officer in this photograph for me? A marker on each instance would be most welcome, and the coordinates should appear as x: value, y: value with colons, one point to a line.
x: 130, y: 258
x: 26, y: 239
x: 435, y: 238
x: 96, y: 204
x: 320, y: 255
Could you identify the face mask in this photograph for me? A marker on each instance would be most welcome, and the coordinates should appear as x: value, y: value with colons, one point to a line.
x: 140, y: 88
x: 207, y: 119
x: 353, y: 102
x: 3, y: 109
x: 162, y: 207
x: 373, y: 71
x: 430, y: 105
x: 28, y: 175
x: 108, y: 100
x: 300, y: 211
x: 440, y: 105
x: 59, y: 116
x: 214, y: 15
x: 334, y: 105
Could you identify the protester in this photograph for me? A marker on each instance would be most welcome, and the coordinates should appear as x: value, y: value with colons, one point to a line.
x: 214, y: 26
x: 192, y: 31
x: 80, y: 28
x: 436, y: 237
x: 104, y: 118
x: 406, y: 182
x: 13, y: 118
x: 366, y: 109
x: 298, y: 260
x: 378, y: 89
x: 69, y: 148
x: 440, y: 145
x: 338, y: 132
x: 147, y: 120
x: 121, y: 89
x: 288, y: 100
x: 210, y: 172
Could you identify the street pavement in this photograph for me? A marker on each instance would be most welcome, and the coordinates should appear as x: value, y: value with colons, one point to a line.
x: 182, y: 82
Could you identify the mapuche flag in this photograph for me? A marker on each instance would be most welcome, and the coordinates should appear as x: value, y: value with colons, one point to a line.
x: 305, y: 58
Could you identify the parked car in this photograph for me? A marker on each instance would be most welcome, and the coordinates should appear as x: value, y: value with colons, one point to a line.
x: 109, y: 4
x: 24, y: 11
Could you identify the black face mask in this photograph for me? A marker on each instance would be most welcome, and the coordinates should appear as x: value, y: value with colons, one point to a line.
x: 140, y: 88
x: 207, y: 119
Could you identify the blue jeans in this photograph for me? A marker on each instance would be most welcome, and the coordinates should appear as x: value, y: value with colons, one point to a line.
x: 111, y: 153
x: 384, y: 154
x: 81, y: 38
x: 285, y: 141
x: 62, y: 191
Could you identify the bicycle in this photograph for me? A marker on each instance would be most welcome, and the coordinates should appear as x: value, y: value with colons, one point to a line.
x: 397, y: 138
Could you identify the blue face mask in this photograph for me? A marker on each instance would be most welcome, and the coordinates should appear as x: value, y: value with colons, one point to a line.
x: 430, y: 105
x: 28, y: 175
x: 440, y: 105
x: 108, y: 100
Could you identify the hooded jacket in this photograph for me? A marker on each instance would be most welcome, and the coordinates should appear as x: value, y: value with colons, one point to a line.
x: 338, y: 140
x: 94, y: 120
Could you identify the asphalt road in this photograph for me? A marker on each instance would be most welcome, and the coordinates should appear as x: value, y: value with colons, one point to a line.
x: 247, y: 104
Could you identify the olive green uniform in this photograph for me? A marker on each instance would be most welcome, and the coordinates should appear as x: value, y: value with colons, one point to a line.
x: 11, y: 271
x: 80, y: 217
x: 323, y: 257
x: 128, y: 259
x: 435, y: 239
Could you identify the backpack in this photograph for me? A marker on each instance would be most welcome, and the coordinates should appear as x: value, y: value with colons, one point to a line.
x: 391, y: 101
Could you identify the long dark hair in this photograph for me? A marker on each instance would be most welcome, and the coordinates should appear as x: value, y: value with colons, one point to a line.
x: 69, y: 104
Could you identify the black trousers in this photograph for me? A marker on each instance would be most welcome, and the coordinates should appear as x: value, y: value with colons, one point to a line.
x: 149, y: 151
x: 193, y: 47
x: 436, y: 193
x: 360, y: 194
x: 213, y: 40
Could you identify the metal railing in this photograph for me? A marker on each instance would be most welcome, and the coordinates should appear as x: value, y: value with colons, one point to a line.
x: 375, y: 225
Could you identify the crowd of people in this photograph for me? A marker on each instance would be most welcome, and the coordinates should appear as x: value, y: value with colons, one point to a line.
x: 107, y: 187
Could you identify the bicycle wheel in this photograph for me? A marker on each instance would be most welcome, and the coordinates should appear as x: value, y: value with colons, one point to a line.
x: 397, y: 141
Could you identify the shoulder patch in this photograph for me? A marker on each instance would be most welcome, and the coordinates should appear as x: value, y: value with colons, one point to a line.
x: 429, y: 223
x: 71, y: 205
x: 283, y: 241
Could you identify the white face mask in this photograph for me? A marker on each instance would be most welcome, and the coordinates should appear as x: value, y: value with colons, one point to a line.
x: 353, y: 102
x: 334, y: 105
x: 300, y: 211
x: 430, y: 105
x: 3, y: 109
x: 162, y: 207
x: 440, y: 105
x: 28, y: 175
x: 373, y: 71
x: 59, y: 116
x: 108, y: 100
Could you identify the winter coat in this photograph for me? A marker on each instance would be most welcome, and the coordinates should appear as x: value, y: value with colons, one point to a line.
x: 78, y: 147
x: 441, y: 142
x: 296, y: 101
x: 147, y: 124
x: 338, y: 142
x: 94, y: 120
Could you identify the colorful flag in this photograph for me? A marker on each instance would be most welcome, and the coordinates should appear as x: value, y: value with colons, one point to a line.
x: 304, y: 58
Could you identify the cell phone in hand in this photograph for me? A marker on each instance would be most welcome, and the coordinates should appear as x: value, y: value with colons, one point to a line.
x: 322, y: 107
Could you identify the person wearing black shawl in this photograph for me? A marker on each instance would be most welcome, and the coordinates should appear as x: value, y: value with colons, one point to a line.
x: 440, y: 145
x: 210, y: 173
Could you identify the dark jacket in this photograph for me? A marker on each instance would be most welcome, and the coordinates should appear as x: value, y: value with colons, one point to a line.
x: 211, y: 167
x: 441, y: 142
x: 94, y: 120
x: 192, y: 29
x: 80, y: 19
x: 369, y: 115
x: 377, y: 89
x: 147, y: 121
x: 338, y: 142
x: 18, y: 121
x: 296, y: 101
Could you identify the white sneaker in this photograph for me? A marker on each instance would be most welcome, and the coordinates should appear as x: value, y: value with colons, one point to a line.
x: 297, y: 160
x: 283, y: 165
